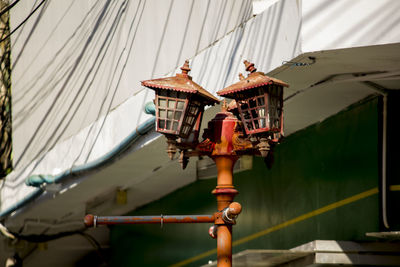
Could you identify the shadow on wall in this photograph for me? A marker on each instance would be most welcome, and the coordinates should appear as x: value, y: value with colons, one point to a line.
x: 362, y: 32
x: 75, y: 63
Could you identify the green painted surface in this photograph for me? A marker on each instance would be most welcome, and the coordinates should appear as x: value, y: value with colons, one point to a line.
x: 393, y: 167
x: 317, y: 166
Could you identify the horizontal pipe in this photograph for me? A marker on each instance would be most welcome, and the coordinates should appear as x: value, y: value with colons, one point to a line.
x: 39, y: 180
x: 92, y: 220
x: 150, y: 108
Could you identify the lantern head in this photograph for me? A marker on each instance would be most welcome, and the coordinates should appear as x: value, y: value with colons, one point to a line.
x: 259, y: 100
x: 179, y: 104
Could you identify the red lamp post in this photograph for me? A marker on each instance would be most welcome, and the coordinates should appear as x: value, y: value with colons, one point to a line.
x: 179, y: 108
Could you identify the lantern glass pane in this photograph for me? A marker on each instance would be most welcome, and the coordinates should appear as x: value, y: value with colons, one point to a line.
x: 162, y: 102
x: 262, y: 123
x: 178, y: 115
x: 171, y: 107
x: 170, y: 114
x: 171, y: 103
x: 193, y: 110
x: 261, y: 112
x: 175, y: 126
x: 252, y: 103
x: 162, y: 113
x: 254, y: 113
x: 275, y: 107
x: 260, y: 101
x: 246, y: 115
x: 180, y: 105
x: 256, y: 124
x: 189, y: 119
x: 250, y: 125
x: 189, y: 116
x: 186, y: 130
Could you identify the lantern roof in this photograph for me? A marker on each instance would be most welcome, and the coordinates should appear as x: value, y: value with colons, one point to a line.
x: 254, y: 80
x: 181, y: 82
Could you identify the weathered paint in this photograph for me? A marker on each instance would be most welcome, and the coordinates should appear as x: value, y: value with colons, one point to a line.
x: 223, y: 126
x: 91, y: 220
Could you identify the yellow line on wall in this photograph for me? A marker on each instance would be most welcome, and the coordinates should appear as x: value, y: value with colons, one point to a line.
x: 195, y: 258
x: 287, y: 223
x: 308, y: 215
x: 394, y: 188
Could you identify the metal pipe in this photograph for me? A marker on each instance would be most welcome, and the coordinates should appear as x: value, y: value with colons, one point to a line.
x: 39, y: 180
x: 224, y: 246
x: 384, y: 92
x: 384, y: 173
x: 230, y: 213
x: 225, y: 193
x: 93, y: 220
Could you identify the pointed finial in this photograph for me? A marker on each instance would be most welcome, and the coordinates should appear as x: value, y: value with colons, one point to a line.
x: 224, y: 107
x: 249, y: 66
x: 241, y: 77
x: 185, y: 68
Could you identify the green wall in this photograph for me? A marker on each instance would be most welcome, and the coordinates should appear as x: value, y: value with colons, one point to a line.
x: 393, y: 167
x: 320, y: 165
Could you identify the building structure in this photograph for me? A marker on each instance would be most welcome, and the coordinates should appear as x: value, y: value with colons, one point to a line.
x: 82, y: 142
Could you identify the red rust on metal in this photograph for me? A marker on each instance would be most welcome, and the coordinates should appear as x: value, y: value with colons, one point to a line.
x: 224, y: 136
x: 206, y: 146
x: 254, y: 80
x: 110, y: 220
x: 89, y: 220
x: 221, y: 130
x: 224, y: 245
x: 218, y: 218
x: 212, y: 231
x: 181, y: 82
x: 225, y: 191
x: 235, y: 208
x: 185, y: 68
x: 249, y: 66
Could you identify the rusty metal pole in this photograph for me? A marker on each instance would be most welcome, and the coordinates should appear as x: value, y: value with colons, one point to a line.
x: 225, y: 193
x: 223, y: 133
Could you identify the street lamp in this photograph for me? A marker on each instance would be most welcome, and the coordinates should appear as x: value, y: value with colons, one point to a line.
x: 179, y: 105
x: 259, y: 100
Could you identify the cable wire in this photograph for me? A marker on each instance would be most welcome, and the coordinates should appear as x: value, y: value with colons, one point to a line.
x: 23, y: 22
x: 45, y: 238
x: 96, y: 245
x: 8, y: 7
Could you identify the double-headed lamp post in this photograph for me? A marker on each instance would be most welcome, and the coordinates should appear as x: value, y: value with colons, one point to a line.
x: 180, y: 102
